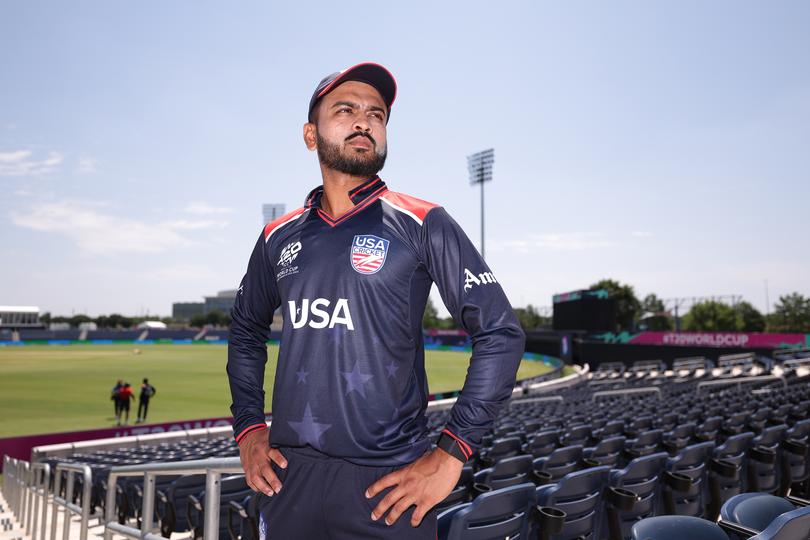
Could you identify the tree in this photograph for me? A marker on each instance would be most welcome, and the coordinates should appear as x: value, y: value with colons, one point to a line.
x: 431, y: 317
x: 790, y: 314
x: 711, y: 316
x: 627, y: 305
x: 653, y: 314
x: 45, y: 318
x: 76, y: 320
x: 530, y: 318
x: 749, y: 319
x: 198, y: 320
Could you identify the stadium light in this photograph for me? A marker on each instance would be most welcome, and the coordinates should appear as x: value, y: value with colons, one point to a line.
x: 479, y: 166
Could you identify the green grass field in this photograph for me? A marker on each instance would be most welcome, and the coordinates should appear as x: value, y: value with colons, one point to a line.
x: 50, y: 388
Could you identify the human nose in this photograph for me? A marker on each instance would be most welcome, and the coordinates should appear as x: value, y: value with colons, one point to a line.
x: 361, y: 123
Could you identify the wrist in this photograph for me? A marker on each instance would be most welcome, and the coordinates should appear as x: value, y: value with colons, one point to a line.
x: 453, y: 446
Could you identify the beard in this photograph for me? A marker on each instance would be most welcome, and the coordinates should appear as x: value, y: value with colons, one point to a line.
x: 365, y: 164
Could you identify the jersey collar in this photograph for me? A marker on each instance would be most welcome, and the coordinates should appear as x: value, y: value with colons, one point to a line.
x: 361, y: 196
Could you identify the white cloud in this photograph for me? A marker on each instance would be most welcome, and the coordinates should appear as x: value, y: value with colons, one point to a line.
x: 575, y: 241
x: 86, y: 165
x: 22, y: 163
x: 97, y: 232
x: 204, y: 209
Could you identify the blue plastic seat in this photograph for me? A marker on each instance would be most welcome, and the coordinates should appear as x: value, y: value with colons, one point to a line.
x: 507, y: 472
x: 754, y: 510
x: 643, y: 477
x: 579, y: 495
x: 606, y: 452
x: 560, y: 462
x: 503, y: 513
x: 676, y: 528
x: 692, y: 461
x: 793, y: 525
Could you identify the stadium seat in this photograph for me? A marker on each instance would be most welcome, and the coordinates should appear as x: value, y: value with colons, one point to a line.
x: 642, y: 476
x: 557, y: 464
x: 232, y: 488
x: 503, y: 513
x: 754, y: 511
x: 506, y: 472
x: 692, y: 461
x: 676, y: 528
x: 579, y: 495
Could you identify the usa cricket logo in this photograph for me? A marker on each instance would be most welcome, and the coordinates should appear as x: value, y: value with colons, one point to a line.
x: 368, y: 253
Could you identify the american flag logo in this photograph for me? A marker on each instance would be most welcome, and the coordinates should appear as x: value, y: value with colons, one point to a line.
x: 368, y: 253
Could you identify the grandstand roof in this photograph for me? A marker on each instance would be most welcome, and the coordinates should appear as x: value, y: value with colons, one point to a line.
x: 19, y: 309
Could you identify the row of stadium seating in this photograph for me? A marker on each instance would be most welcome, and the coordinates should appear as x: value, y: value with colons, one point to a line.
x: 624, y: 445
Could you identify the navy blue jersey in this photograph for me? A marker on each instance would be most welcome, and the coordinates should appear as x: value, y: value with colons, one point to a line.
x: 351, y: 380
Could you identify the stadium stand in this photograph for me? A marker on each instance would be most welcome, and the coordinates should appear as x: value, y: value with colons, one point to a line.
x: 645, y: 452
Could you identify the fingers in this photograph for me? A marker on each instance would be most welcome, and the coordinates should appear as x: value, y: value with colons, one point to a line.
x: 264, y: 480
x: 277, y: 457
x: 419, y: 514
x: 401, y: 505
x: 387, y: 502
x: 386, y: 481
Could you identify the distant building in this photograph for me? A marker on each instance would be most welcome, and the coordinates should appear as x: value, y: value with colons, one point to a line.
x: 19, y: 317
x: 223, y: 302
x: 184, y: 311
x: 271, y: 212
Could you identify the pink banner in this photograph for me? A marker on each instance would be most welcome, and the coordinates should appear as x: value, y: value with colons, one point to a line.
x: 720, y: 339
x: 20, y: 447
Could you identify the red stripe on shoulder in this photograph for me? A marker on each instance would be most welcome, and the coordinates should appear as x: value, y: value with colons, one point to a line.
x: 417, y: 207
x: 271, y: 227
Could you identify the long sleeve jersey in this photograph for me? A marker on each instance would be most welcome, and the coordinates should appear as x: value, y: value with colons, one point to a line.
x: 350, y: 380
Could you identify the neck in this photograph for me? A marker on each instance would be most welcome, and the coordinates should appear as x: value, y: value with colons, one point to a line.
x: 336, y: 188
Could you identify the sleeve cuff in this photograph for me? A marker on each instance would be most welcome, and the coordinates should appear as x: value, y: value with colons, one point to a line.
x: 454, y: 445
x: 249, y: 429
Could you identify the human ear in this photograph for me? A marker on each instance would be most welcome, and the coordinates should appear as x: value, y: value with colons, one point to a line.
x: 310, y: 135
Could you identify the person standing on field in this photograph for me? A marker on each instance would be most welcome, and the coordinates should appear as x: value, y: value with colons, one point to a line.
x: 124, y: 397
x: 147, y: 392
x: 114, y: 396
x: 352, y: 270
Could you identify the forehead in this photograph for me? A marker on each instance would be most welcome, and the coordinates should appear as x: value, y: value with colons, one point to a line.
x: 355, y: 91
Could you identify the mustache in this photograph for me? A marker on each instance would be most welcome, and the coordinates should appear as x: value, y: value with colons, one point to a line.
x: 361, y: 134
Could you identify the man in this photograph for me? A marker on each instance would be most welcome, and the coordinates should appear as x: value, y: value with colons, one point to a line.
x: 147, y: 391
x: 352, y: 271
x: 124, y: 396
x: 114, y: 396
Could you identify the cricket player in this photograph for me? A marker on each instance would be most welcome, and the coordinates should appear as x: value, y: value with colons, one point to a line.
x: 347, y: 455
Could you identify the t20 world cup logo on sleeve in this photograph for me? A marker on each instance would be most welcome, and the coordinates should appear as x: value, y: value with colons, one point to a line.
x: 368, y: 253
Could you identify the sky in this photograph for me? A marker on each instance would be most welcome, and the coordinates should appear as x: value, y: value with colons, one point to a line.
x: 662, y: 144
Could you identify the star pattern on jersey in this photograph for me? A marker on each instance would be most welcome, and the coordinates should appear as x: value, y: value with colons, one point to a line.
x: 356, y: 380
x: 392, y: 369
x: 309, y: 431
x: 390, y: 427
x: 302, y: 376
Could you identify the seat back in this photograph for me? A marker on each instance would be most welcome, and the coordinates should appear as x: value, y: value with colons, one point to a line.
x: 755, y: 510
x: 503, y: 513
x: 507, y: 472
x: 676, y: 528
x: 643, y: 477
x: 560, y: 462
x: 691, y: 461
x: 794, y: 525
x: 579, y: 495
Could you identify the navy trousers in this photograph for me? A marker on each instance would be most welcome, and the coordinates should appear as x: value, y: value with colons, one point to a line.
x: 324, y: 498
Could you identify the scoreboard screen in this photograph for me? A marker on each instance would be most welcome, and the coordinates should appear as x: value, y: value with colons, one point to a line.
x: 592, y: 311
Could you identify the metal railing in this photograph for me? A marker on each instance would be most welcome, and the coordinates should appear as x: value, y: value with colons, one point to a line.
x: 739, y: 381
x: 66, y: 502
x: 627, y: 391
x: 39, y: 482
x: 213, y: 469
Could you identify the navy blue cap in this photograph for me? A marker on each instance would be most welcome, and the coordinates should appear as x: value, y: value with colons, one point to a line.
x: 367, y: 72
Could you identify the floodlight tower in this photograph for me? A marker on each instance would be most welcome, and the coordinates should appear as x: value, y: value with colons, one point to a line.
x: 479, y: 166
